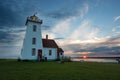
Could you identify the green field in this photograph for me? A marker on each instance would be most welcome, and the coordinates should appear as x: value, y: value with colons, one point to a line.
x: 14, y: 70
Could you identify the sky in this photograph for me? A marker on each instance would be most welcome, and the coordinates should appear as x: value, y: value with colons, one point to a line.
x: 80, y: 27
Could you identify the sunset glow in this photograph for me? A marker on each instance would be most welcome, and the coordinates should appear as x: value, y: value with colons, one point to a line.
x: 84, y: 57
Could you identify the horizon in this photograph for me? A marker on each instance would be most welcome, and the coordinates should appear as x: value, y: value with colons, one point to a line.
x: 90, y: 28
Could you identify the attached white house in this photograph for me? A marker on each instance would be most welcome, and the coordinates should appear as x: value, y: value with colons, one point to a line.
x: 36, y: 48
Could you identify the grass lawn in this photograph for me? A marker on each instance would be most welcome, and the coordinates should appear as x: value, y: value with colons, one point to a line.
x: 14, y: 70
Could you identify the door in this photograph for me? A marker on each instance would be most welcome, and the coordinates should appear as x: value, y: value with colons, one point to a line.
x: 40, y: 53
x: 58, y: 55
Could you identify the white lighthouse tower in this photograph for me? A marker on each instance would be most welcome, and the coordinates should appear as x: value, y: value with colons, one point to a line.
x: 32, y: 45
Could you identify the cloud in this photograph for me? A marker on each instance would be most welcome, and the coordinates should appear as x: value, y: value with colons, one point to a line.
x: 59, y: 38
x: 61, y: 29
x: 116, y: 30
x: 84, y: 33
x: 78, y: 37
x: 117, y: 18
x: 59, y: 25
x: 85, y: 39
x: 108, y: 46
x: 11, y: 41
x: 83, y: 10
x: 14, y: 13
x: 81, y: 30
x: 12, y: 19
x: 45, y: 27
x: 8, y: 52
x: 86, y: 7
x: 11, y: 36
x: 67, y: 11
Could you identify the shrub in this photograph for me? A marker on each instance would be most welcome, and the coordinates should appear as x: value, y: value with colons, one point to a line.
x: 66, y: 59
x: 18, y: 59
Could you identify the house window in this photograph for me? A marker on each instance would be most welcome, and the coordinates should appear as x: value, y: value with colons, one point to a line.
x: 34, y: 28
x: 33, y: 51
x: 50, y: 52
x: 33, y: 40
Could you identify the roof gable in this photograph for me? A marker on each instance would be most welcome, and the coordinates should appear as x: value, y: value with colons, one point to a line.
x: 60, y: 50
x: 49, y: 43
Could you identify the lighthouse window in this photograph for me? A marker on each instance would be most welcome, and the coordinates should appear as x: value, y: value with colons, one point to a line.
x: 33, y: 40
x: 50, y: 52
x: 33, y: 51
x: 34, y: 28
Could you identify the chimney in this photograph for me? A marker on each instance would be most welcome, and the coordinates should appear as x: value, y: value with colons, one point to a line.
x: 46, y: 36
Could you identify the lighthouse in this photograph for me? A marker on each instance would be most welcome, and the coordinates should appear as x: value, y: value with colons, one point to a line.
x: 36, y: 48
x: 33, y: 38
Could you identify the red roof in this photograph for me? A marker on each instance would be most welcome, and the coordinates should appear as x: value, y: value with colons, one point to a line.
x: 49, y: 43
x: 60, y: 50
